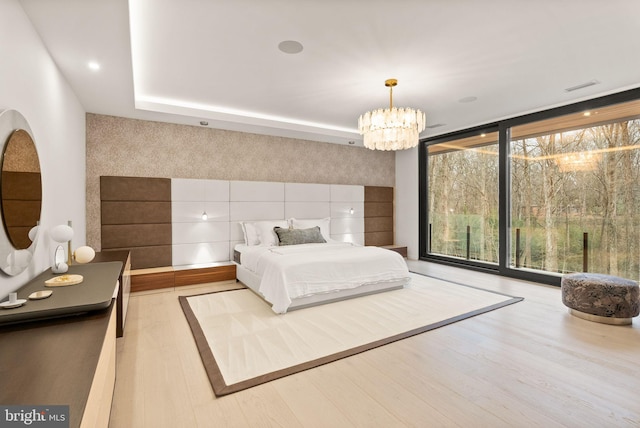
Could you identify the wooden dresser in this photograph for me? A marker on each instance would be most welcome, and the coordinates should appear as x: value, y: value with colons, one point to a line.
x: 69, y: 360
x: 124, y: 282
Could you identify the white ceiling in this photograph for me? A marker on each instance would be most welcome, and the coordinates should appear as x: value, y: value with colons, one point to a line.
x: 184, y: 61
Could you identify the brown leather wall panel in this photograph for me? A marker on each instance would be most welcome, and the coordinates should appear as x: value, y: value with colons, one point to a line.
x: 135, y: 235
x: 378, y: 209
x: 378, y: 224
x: 136, y: 215
x: 149, y: 257
x: 135, y: 212
x: 378, y: 215
x: 135, y: 189
x: 378, y: 239
x: 378, y: 194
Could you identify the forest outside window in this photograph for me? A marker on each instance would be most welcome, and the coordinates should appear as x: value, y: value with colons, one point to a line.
x: 537, y: 196
x: 575, y: 193
x: 463, y: 198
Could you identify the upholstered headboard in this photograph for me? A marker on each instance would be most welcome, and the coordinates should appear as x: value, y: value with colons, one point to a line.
x: 161, y: 219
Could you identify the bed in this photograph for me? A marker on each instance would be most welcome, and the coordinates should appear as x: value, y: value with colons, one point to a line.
x: 294, y: 274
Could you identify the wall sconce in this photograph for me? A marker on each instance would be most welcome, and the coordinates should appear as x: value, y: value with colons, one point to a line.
x: 204, y: 215
x: 351, y: 211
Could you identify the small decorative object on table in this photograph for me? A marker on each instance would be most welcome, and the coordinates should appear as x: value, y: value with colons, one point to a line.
x: 13, y: 302
x: 41, y: 294
x: 64, y: 280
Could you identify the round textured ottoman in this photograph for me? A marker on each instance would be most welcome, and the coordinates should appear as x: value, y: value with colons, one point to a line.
x: 601, y: 298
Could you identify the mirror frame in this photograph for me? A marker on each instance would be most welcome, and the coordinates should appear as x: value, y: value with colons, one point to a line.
x: 14, y: 261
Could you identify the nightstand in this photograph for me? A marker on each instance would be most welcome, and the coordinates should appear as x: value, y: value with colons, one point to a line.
x: 397, y: 248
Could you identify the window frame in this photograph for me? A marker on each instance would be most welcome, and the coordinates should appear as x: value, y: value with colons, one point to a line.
x: 503, y: 128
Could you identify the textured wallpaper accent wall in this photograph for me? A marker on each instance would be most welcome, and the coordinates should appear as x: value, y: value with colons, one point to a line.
x: 119, y: 146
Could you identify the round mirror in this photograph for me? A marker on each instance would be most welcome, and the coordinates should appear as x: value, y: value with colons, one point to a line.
x: 20, y: 193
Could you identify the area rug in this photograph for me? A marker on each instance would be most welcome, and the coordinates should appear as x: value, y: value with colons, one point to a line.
x: 243, y: 343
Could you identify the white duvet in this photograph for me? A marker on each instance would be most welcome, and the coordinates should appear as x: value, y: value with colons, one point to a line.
x: 293, y: 271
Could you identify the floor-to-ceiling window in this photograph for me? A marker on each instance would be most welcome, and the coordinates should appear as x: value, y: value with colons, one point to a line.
x: 463, y: 198
x: 539, y: 195
x: 575, y: 192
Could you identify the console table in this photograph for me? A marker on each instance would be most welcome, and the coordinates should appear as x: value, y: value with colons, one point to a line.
x: 124, y: 281
x: 67, y: 360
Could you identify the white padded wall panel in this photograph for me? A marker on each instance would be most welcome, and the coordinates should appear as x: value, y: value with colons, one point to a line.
x: 184, y: 189
x: 259, y: 191
x: 348, y: 229
x: 356, y: 238
x: 205, y: 231
x: 347, y: 213
x: 303, y: 210
x: 216, y: 190
x: 347, y: 225
x: 197, y: 241
x: 229, y: 202
x: 306, y: 192
x: 343, y: 209
x: 191, y: 212
x: 200, y: 253
x: 256, y: 211
x: 235, y: 231
x: 347, y: 193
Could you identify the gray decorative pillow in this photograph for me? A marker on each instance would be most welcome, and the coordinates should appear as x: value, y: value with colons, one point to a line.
x: 299, y: 236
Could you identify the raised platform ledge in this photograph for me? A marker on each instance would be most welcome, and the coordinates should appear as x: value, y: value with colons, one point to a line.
x: 177, y: 276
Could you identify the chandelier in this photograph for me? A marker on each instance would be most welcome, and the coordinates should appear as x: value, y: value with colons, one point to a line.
x: 391, y: 128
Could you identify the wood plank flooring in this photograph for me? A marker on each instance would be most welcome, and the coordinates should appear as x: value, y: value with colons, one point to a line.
x: 526, y: 365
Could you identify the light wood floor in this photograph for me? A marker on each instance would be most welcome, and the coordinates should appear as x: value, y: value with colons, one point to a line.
x: 530, y: 364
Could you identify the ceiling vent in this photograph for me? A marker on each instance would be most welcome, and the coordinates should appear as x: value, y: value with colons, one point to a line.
x: 582, y: 86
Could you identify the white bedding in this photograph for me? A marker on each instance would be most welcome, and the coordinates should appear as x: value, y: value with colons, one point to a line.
x: 293, y: 271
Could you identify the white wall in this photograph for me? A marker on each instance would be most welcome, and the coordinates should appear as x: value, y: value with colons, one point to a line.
x: 31, y: 83
x: 406, y: 201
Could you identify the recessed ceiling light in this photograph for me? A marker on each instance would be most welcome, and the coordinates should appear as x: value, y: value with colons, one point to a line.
x: 467, y: 99
x: 586, y: 113
x: 290, y: 47
x: 94, y: 66
x: 483, y: 135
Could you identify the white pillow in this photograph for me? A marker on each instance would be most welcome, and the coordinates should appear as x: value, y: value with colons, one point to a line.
x: 250, y: 233
x: 323, y: 223
x: 267, y: 236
